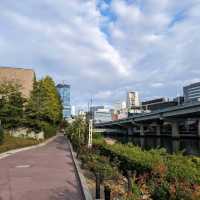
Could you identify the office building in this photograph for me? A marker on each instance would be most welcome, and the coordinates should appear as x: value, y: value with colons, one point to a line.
x: 20, y: 76
x: 132, y: 100
x: 102, y: 115
x: 192, y: 92
x: 64, y: 92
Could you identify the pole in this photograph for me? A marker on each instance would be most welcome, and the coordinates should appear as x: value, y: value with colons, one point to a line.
x: 98, y: 185
x: 90, y: 133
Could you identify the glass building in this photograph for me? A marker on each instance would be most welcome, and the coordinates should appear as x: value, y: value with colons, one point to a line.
x: 64, y: 91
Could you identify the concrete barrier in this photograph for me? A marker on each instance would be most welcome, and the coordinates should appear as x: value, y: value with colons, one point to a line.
x: 82, y: 181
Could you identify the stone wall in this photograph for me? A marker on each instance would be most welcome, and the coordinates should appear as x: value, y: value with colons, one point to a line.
x: 26, y: 133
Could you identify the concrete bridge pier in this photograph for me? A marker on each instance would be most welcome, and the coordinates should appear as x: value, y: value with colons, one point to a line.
x: 175, y: 129
x: 175, y: 145
x: 158, y: 130
x: 130, y: 131
x: 141, y: 130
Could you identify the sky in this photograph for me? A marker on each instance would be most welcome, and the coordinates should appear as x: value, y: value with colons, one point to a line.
x: 104, y: 48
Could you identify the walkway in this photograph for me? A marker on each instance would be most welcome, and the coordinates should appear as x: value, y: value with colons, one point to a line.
x: 44, y: 173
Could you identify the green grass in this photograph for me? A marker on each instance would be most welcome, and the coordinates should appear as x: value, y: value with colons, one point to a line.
x: 15, y: 143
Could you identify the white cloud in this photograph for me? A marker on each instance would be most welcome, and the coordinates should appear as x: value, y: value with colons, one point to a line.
x: 146, y: 45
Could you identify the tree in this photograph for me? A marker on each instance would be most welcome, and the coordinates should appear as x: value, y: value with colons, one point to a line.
x: 44, y: 108
x: 11, y: 105
x: 51, y: 106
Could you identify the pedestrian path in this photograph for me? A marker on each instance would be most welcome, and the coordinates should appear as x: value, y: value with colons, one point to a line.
x: 44, y: 173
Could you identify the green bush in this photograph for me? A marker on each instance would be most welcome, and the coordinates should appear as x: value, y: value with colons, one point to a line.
x: 160, y: 191
x: 1, y: 135
x: 179, y: 167
x: 49, y: 130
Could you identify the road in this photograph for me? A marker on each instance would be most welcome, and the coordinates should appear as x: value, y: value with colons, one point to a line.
x: 43, y: 173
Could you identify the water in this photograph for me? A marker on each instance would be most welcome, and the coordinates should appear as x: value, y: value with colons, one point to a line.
x: 188, y: 146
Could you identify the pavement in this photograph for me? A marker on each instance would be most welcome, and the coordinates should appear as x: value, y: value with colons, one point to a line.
x: 43, y: 173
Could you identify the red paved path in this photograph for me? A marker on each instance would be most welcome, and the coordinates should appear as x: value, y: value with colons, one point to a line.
x: 44, y: 173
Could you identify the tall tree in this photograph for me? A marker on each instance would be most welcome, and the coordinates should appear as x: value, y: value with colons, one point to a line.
x: 44, y: 104
x: 11, y: 105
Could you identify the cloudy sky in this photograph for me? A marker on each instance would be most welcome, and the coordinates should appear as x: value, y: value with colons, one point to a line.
x: 104, y: 48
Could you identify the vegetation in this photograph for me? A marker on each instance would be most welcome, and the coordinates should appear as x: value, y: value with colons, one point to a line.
x: 14, y: 143
x: 1, y: 135
x: 41, y: 112
x: 11, y: 105
x: 155, y: 173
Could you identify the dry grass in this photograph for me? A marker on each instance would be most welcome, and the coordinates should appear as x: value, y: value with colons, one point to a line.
x: 15, y: 143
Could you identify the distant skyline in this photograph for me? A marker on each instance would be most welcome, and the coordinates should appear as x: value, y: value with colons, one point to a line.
x: 104, y: 48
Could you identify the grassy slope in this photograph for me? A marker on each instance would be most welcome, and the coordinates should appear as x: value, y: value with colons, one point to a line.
x: 15, y: 143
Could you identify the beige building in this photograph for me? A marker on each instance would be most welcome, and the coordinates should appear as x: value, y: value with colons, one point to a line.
x: 21, y: 76
x: 132, y: 100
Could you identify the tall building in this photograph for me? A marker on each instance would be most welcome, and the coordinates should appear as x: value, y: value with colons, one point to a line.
x: 20, y: 76
x: 192, y: 92
x: 64, y: 91
x: 102, y: 115
x: 132, y: 100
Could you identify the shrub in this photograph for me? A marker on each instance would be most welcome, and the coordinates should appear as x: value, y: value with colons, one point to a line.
x: 1, y: 135
x: 175, y: 167
x: 49, y: 130
x: 159, y: 190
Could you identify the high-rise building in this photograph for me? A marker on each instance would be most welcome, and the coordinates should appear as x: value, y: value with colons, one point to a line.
x: 73, y: 110
x: 132, y: 100
x: 192, y: 92
x: 64, y: 91
x: 20, y: 76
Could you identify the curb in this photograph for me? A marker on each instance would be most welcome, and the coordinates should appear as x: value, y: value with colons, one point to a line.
x: 14, y: 151
x: 81, y: 178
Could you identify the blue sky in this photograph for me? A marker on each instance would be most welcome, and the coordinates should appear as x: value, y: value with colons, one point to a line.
x: 104, y: 48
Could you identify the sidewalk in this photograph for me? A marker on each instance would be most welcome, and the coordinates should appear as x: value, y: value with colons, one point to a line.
x: 43, y: 173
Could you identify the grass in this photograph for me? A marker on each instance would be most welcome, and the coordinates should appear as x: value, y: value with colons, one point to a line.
x: 11, y: 143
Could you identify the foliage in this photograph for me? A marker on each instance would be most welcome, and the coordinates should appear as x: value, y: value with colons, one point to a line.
x: 44, y: 108
x: 48, y: 129
x: 14, y: 143
x: 164, y: 176
x: 11, y: 105
x: 77, y: 132
x: 42, y: 111
x: 101, y: 165
x: 1, y: 135
x: 157, y: 174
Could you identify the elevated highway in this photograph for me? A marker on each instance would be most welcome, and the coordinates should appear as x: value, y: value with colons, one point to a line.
x: 170, y: 121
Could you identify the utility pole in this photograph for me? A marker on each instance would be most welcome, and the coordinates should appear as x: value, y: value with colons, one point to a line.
x: 90, y: 133
x: 90, y: 126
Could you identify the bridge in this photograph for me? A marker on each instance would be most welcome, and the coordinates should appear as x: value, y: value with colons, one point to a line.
x: 177, y: 121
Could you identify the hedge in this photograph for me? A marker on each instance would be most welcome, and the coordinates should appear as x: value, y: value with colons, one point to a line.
x: 179, y: 167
